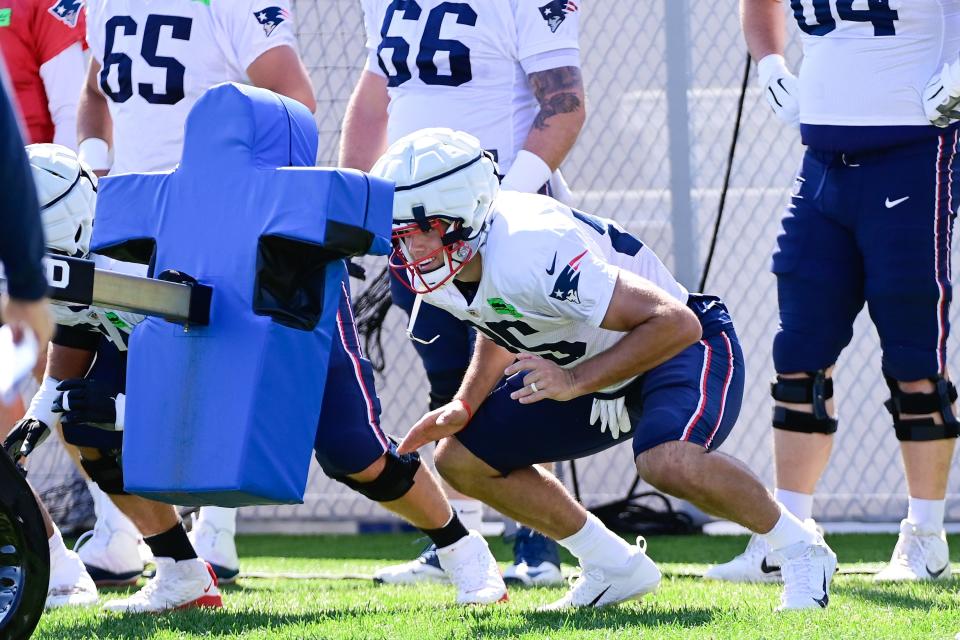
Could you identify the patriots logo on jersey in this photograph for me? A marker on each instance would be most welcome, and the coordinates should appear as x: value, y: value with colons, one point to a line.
x: 66, y: 11
x: 270, y: 18
x: 567, y: 286
x: 555, y: 12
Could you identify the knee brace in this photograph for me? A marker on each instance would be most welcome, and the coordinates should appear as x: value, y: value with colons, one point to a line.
x: 106, y: 471
x: 394, y: 481
x: 815, y: 390
x: 937, y: 401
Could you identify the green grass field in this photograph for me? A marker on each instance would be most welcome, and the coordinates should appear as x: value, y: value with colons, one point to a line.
x: 315, y: 605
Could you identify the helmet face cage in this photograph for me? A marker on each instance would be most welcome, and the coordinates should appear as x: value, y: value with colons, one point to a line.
x: 454, y: 253
x: 445, y: 183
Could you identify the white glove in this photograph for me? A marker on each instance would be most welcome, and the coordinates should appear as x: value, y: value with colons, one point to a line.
x: 611, y: 413
x: 942, y: 95
x: 781, y: 89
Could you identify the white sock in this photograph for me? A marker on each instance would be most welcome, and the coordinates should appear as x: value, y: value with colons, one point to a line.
x: 926, y: 514
x: 799, y: 504
x: 107, y: 511
x: 788, y: 531
x: 58, y: 564
x: 219, y: 517
x: 596, y: 546
x: 55, y: 542
x: 469, y: 511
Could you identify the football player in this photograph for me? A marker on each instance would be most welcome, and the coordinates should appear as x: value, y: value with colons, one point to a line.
x: 578, y: 320
x: 150, y: 64
x: 508, y: 72
x: 870, y: 221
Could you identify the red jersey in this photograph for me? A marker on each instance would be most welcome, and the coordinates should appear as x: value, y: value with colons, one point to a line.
x: 32, y: 32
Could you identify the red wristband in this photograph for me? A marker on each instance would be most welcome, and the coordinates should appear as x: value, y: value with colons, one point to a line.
x: 466, y: 407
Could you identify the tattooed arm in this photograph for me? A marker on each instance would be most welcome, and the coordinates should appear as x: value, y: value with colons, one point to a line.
x: 562, y: 112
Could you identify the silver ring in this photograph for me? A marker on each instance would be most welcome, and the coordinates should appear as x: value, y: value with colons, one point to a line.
x: 533, y: 387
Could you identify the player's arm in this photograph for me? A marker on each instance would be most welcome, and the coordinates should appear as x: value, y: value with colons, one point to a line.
x: 280, y: 69
x: 94, y: 124
x: 62, y: 76
x: 656, y: 327
x: 485, y: 371
x: 560, y: 95
x: 764, y: 27
x: 63, y: 362
x: 364, y: 136
x: 765, y: 30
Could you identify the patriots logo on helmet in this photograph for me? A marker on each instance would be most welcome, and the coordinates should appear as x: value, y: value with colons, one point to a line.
x: 66, y: 11
x: 271, y: 17
x: 555, y: 12
x: 567, y: 286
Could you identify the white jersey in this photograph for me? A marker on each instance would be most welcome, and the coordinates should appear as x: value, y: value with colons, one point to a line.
x: 548, y: 278
x: 158, y: 58
x: 868, y: 65
x: 464, y: 65
x: 116, y: 326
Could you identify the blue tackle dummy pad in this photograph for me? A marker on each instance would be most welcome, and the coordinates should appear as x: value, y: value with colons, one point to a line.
x: 225, y: 414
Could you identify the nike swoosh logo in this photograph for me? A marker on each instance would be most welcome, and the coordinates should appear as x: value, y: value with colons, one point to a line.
x: 892, y: 203
x: 553, y: 265
x: 767, y: 568
x: 209, y: 586
x: 594, y: 602
x: 936, y: 574
x: 825, y: 600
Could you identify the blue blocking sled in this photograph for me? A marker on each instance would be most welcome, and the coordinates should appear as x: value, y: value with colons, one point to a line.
x: 226, y: 413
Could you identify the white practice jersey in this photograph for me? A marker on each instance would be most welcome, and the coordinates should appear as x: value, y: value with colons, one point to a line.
x: 158, y: 58
x: 116, y: 326
x: 548, y: 278
x: 464, y: 65
x: 866, y: 62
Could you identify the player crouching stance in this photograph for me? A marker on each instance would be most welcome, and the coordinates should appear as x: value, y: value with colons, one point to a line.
x: 588, y: 326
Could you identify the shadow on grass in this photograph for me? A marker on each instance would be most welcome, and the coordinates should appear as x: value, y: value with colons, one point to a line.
x: 481, y: 622
x: 902, y: 596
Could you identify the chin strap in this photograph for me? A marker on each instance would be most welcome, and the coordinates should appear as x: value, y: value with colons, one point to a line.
x: 413, y: 320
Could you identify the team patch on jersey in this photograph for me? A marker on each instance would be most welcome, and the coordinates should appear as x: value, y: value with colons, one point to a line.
x: 567, y: 286
x: 5, y: 17
x: 504, y: 308
x: 66, y: 11
x: 270, y: 18
x: 555, y: 12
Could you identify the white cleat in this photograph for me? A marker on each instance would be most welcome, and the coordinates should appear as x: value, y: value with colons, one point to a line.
x: 758, y: 563
x: 424, y: 568
x: 176, y: 585
x: 470, y: 566
x: 111, y: 554
x: 70, y: 584
x: 919, y: 555
x: 217, y: 547
x: 597, y: 587
x: 807, y: 571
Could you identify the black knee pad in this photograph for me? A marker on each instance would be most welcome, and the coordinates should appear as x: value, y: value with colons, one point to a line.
x: 106, y: 471
x: 394, y: 481
x: 937, y: 401
x: 815, y: 390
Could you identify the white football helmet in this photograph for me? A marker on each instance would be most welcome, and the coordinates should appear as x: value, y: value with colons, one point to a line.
x: 67, y: 191
x: 445, y: 182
